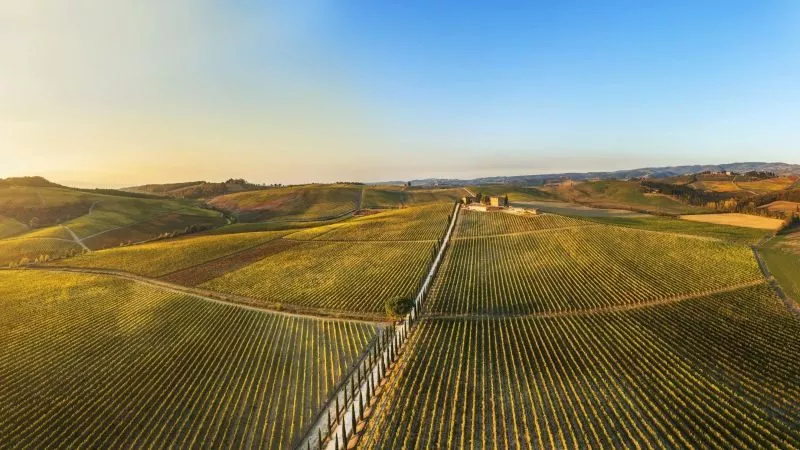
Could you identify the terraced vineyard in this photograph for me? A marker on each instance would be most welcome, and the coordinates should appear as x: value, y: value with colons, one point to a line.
x: 581, y: 268
x: 713, y: 372
x: 338, y: 276
x: 96, y: 362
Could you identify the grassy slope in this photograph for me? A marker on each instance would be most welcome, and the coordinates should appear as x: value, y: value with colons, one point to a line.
x: 622, y: 195
x: 307, y: 202
x: 516, y: 193
x: 380, y: 197
x: 96, y: 362
x: 162, y: 257
x: 782, y: 255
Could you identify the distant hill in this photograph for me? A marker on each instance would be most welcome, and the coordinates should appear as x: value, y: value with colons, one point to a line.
x: 196, y: 189
x: 27, y: 182
x: 648, y: 172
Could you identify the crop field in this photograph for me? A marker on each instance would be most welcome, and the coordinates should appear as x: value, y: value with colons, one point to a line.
x: 380, y: 197
x: 447, y: 195
x: 737, y: 220
x: 785, y: 207
x: 149, y: 229
x: 716, y: 186
x: 10, y: 227
x: 712, y: 372
x: 162, y: 257
x: 292, y: 203
x: 515, y: 193
x: 336, y: 276
x: 16, y: 251
x: 739, y: 235
x: 582, y: 268
x: 784, y: 264
x: 96, y: 362
x: 768, y: 185
x: 419, y: 223
x: 476, y: 223
x: 622, y: 195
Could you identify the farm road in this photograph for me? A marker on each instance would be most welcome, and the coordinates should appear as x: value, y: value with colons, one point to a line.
x: 75, y: 238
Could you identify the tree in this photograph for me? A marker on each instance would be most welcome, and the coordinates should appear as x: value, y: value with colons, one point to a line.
x: 34, y: 222
x: 399, y: 306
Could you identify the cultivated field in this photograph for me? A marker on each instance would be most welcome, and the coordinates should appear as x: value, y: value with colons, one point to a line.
x: 10, y: 227
x: 475, y: 223
x: 335, y: 276
x: 616, y: 194
x: 292, y: 203
x: 713, y: 372
x: 96, y: 362
x: 738, y: 220
x: 580, y: 268
x: 163, y: 257
x: 419, y: 223
x: 785, y: 207
x: 16, y: 251
x: 739, y: 235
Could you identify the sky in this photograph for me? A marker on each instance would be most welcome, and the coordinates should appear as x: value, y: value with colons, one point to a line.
x: 111, y: 94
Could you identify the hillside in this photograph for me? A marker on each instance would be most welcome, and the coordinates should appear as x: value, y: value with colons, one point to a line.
x: 292, y: 203
x: 196, y: 189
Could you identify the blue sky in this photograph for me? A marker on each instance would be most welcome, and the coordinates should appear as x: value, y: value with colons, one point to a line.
x: 329, y: 90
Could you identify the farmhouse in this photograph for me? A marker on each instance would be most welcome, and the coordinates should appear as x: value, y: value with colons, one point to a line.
x: 498, y: 201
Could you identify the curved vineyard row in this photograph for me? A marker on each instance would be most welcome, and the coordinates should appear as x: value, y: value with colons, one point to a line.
x: 581, y: 268
x: 715, y: 372
x: 96, y: 362
x: 344, y: 276
x: 476, y: 224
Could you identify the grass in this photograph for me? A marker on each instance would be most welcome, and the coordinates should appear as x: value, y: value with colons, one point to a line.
x: 97, y: 362
x: 335, y: 276
x: 739, y: 235
x: 516, y: 193
x: 415, y: 196
x: 719, y: 371
x: 737, y: 220
x: 162, y: 257
x: 582, y: 268
x: 382, y: 197
x: 785, y: 267
x: 150, y: 229
x: 785, y: 207
x: 293, y: 203
x: 716, y: 186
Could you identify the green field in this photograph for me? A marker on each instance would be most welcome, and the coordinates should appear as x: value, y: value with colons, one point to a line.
x: 713, y: 372
x: 416, y: 196
x: 292, y: 203
x: 515, y: 193
x: 96, y: 362
x: 162, y: 257
x: 578, y: 268
x: 381, y: 197
x: 783, y: 262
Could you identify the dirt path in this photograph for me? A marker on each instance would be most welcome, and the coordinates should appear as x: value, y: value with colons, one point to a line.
x: 75, y: 237
x: 469, y: 193
x: 592, y: 311
x: 741, y: 188
x: 361, y: 198
x: 221, y: 298
x: 91, y: 208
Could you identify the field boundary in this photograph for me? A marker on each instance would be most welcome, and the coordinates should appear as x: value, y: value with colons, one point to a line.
x: 590, y: 311
x: 773, y: 283
x: 226, y: 299
x: 386, y: 354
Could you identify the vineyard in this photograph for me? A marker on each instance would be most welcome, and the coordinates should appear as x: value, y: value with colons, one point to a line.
x: 713, y: 372
x: 10, y: 227
x: 160, y: 258
x: 475, y: 223
x: 293, y: 203
x: 340, y: 276
x: 581, y: 268
x: 414, y: 224
x: 95, y: 362
x: 16, y: 250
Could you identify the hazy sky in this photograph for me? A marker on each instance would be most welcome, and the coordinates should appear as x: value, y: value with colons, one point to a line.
x: 113, y: 93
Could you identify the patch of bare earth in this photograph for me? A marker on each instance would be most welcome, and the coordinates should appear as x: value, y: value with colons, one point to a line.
x: 202, y: 273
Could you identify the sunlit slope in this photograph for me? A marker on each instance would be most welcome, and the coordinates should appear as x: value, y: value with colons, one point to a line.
x: 498, y: 271
x: 97, y: 362
x: 96, y: 220
x: 163, y: 257
x: 719, y: 371
x: 621, y: 194
x: 306, y: 202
